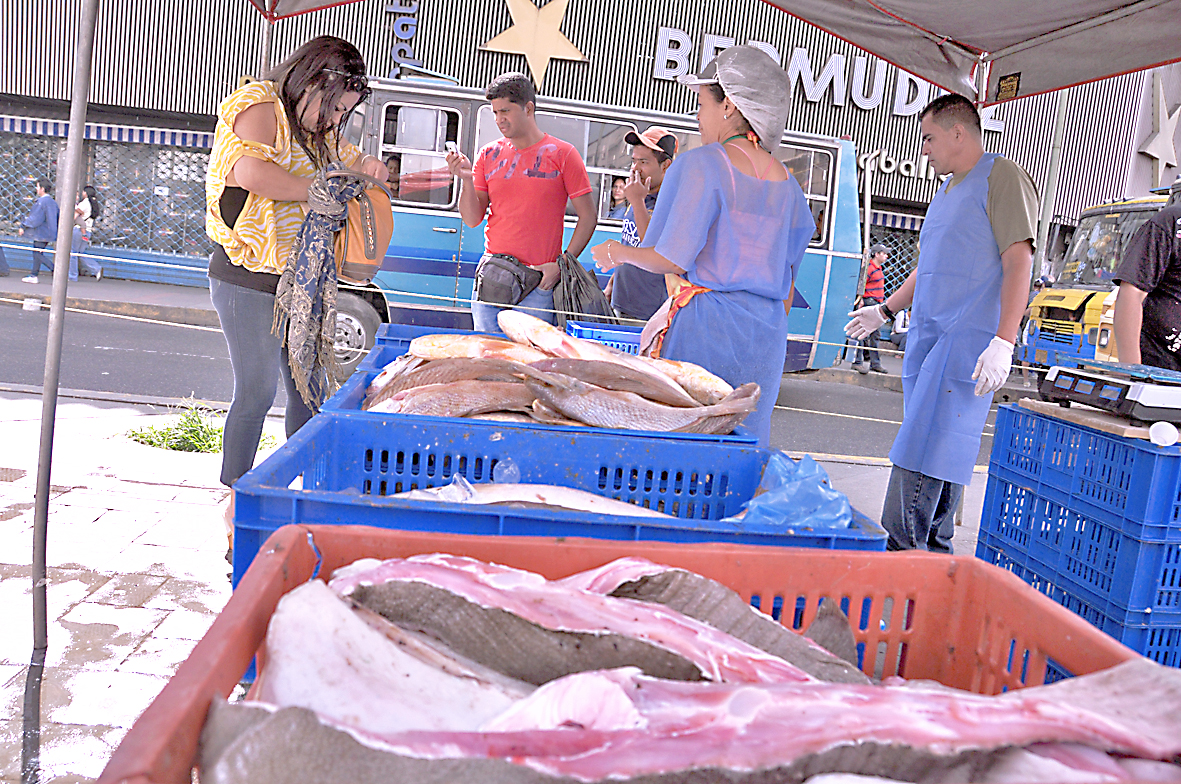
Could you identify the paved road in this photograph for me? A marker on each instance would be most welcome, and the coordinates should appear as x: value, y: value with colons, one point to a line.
x: 106, y: 354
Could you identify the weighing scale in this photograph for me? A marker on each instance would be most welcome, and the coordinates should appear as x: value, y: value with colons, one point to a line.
x: 1138, y: 392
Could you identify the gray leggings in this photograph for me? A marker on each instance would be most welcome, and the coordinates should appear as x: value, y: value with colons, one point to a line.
x: 258, y: 359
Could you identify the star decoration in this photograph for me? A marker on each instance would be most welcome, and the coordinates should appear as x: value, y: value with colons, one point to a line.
x: 1159, y: 145
x: 535, y: 34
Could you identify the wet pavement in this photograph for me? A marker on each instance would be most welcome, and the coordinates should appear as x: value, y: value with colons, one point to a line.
x: 137, y: 573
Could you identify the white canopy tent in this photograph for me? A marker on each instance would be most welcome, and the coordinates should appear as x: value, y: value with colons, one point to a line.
x: 1014, y: 47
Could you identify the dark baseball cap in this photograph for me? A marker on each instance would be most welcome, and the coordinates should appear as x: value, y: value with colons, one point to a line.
x: 879, y: 248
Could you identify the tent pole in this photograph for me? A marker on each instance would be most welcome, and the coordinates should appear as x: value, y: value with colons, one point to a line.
x: 68, y: 184
x: 1050, y: 191
x: 264, y: 55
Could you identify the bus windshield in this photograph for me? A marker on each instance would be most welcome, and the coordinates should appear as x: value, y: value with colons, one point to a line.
x: 1098, y: 245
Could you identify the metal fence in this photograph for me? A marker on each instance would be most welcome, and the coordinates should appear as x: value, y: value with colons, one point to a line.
x: 151, y: 197
x: 904, y: 253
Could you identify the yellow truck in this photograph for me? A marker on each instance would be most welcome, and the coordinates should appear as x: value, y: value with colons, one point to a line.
x: 1067, y: 319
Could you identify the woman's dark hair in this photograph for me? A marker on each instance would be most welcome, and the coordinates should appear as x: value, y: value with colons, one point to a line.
x: 720, y: 95
x: 331, y: 66
x: 92, y: 197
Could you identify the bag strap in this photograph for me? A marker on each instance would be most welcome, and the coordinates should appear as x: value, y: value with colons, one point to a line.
x: 360, y: 176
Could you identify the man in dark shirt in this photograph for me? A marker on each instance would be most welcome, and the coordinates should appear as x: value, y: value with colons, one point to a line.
x: 1148, y: 307
x: 637, y: 293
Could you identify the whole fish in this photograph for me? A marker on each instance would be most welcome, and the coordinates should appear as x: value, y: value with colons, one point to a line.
x: 621, y: 378
x: 459, y: 398
x: 704, y: 386
x: 532, y: 331
x: 464, y: 492
x: 400, y: 366
x: 444, y: 371
x: 548, y: 416
x: 482, y: 346
x: 607, y: 408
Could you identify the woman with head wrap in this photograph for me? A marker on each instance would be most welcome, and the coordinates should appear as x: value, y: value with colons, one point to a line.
x: 734, y: 223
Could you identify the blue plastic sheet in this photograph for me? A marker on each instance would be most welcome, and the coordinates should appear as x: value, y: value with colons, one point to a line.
x: 793, y: 495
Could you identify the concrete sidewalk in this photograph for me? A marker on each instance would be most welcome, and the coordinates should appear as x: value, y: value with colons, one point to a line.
x: 157, y: 301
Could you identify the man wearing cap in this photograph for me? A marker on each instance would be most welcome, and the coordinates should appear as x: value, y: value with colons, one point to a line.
x: 873, y: 293
x: 968, y: 293
x: 637, y: 293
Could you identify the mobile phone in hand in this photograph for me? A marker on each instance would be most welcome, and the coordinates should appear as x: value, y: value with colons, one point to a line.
x: 451, y: 147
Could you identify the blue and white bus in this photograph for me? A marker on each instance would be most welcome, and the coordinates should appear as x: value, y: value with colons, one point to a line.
x: 427, y: 276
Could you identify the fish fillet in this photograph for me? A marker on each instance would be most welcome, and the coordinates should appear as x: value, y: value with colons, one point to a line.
x: 358, y: 669
x: 713, y: 603
x: 607, y: 408
x: 431, y: 593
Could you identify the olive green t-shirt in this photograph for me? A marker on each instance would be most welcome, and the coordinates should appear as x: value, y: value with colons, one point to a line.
x: 1012, y: 203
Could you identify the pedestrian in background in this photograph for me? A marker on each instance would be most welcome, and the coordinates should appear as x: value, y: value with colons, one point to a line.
x: 271, y: 140
x: 41, y: 224
x: 969, y: 291
x: 636, y: 293
x: 85, y: 213
x: 522, y: 183
x: 733, y: 222
x: 872, y: 293
x: 618, y: 206
x: 1147, y: 318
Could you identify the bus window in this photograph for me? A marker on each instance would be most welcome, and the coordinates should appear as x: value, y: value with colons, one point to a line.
x: 355, y: 129
x: 812, y: 169
x: 600, y: 143
x: 1095, y: 250
x: 413, y: 148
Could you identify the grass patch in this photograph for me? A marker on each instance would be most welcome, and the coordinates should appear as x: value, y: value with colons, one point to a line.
x: 196, y: 430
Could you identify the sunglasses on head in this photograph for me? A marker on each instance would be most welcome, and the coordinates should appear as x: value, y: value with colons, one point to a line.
x: 353, y: 83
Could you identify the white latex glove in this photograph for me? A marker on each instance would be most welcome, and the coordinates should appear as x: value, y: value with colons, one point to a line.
x: 865, y: 321
x: 992, y: 369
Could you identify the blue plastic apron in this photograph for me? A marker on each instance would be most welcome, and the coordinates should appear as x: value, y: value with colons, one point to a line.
x: 732, y: 334
x: 956, y: 311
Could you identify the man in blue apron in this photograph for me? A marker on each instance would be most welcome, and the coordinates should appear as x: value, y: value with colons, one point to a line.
x: 967, y: 295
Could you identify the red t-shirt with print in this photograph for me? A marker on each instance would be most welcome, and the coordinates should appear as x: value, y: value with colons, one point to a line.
x: 527, y: 192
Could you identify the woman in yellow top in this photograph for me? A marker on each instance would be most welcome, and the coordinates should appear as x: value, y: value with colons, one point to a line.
x: 272, y: 137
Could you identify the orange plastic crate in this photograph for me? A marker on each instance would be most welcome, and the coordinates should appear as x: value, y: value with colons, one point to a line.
x: 956, y: 620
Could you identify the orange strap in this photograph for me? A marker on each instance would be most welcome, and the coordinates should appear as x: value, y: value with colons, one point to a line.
x: 679, y: 300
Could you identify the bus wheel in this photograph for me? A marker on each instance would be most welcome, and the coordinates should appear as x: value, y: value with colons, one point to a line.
x: 356, y: 329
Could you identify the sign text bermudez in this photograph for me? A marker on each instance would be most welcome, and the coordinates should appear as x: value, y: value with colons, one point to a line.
x: 404, y: 24
x: 866, y: 87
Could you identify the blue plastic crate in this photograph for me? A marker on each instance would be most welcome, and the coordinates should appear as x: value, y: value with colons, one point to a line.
x: 1128, y: 483
x: 340, y: 470
x: 398, y: 336
x: 1156, y: 635
x: 349, y: 397
x: 626, y: 339
x: 1088, y: 557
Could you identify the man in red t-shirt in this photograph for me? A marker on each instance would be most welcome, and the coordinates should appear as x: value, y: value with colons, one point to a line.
x: 522, y: 183
x: 873, y: 293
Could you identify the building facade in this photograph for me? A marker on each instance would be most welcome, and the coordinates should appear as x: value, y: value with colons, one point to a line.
x: 166, y: 66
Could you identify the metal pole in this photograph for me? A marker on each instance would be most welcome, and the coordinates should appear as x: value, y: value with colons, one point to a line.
x: 67, y: 190
x: 866, y: 215
x: 264, y: 55
x: 1050, y: 192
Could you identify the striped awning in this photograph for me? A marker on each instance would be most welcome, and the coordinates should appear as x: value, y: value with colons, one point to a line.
x: 129, y: 134
x: 896, y: 220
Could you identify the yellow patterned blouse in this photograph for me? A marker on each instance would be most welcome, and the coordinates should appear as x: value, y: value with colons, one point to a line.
x: 265, y: 229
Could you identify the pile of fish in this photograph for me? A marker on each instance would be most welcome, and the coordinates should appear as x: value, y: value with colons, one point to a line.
x: 440, y: 669
x: 543, y: 375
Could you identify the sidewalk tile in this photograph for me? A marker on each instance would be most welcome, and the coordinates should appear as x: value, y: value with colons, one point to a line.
x: 128, y: 590
x: 102, y: 636
x: 205, y: 565
x: 193, y: 595
x: 65, y: 590
x: 104, y: 698
x: 70, y: 754
x: 184, y: 625
x: 203, y: 531
x: 158, y: 656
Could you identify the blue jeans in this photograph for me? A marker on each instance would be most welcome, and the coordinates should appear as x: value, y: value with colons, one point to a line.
x: 538, y: 303
x: 39, y: 258
x: 258, y: 359
x: 77, y: 246
x: 919, y: 512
